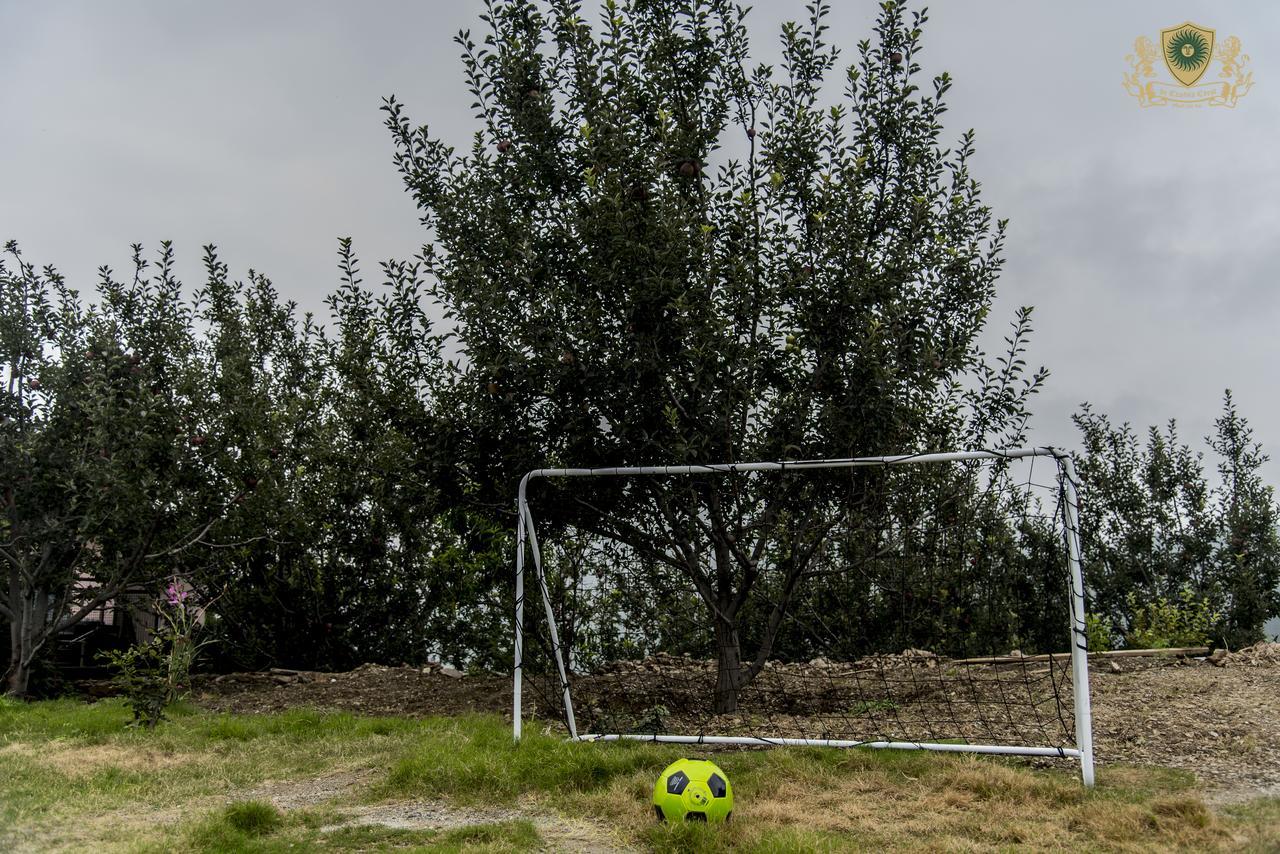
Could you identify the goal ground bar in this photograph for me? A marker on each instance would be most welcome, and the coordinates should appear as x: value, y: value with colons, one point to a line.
x: 1001, y: 749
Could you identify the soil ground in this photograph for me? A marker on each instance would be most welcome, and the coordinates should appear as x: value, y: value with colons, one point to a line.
x: 1220, y: 721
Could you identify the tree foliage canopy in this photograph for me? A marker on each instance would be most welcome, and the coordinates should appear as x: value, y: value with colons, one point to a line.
x: 104, y: 486
x: 658, y: 252
x: 655, y: 250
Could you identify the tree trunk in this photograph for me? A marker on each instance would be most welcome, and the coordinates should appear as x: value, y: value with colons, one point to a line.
x: 18, y: 674
x: 28, y: 632
x: 729, y: 673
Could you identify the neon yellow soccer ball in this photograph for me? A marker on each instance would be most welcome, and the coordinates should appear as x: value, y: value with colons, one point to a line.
x: 693, y: 790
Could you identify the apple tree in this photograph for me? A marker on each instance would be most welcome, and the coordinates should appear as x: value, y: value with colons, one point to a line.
x: 347, y: 550
x: 107, y: 483
x: 657, y: 251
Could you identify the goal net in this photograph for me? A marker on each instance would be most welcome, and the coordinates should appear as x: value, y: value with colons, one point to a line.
x: 928, y: 601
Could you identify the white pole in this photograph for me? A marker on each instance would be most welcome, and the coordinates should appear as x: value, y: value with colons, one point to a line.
x: 551, y: 622
x: 992, y: 749
x: 519, y: 639
x: 792, y: 465
x: 1079, y: 637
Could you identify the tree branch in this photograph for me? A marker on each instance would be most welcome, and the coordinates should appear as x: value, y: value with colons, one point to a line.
x: 198, y: 536
x: 798, y: 564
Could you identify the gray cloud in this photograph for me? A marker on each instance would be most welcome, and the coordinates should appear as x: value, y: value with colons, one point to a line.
x: 1146, y: 238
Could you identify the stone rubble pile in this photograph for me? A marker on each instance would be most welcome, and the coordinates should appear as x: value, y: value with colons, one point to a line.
x: 1263, y: 654
x: 667, y: 662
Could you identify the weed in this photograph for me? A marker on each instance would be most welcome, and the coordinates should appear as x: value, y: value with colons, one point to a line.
x: 253, y: 818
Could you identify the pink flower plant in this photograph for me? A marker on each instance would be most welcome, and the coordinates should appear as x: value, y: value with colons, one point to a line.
x: 175, y: 594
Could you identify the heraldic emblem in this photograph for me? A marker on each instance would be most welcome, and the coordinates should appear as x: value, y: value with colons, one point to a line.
x: 1188, y: 53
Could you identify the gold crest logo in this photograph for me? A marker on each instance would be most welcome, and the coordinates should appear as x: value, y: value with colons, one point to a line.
x: 1189, y: 51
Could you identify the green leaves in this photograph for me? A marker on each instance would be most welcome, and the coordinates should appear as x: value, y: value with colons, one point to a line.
x: 111, y: 487
x: 298, y: 472
x: 1166, y: 551
x: 640, y: 231
x: 562, y: 242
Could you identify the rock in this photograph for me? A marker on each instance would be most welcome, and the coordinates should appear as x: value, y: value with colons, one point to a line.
x: 1114, y: 667
x: 452, y: 672
x: 923, y: 654
x: 1260, y: 654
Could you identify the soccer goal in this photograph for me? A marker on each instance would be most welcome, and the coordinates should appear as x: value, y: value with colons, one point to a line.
x: 922, y: 602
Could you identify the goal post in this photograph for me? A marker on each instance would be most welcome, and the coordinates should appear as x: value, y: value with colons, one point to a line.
x: 891, y: 564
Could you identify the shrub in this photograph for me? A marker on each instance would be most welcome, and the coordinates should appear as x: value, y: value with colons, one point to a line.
x: 153, y: 675
x: 1099, y: 633
x: 142, y: 676
x: 1165, y: 623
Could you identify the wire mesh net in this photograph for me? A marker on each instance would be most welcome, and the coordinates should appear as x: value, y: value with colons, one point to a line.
x: 924, y: 603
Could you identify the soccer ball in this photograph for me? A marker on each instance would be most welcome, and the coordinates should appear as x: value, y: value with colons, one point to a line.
x: 693, y: 790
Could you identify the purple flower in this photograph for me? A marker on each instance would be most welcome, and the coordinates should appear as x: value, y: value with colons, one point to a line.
x: 175, y: 594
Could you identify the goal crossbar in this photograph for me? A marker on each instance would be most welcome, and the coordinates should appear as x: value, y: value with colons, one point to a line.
x: 526, y: 539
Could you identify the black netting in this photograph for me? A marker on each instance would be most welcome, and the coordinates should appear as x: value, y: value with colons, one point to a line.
x: 922, y: 603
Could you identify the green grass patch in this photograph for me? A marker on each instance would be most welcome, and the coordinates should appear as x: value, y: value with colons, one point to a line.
x: 74, y: 776
x: 236, y: 827
x: 252, y: 818
x: 500, y: 836
x: 474, y: 759
x: 695, y: 838
x: 1258, y: 822
x: 868, y: 707
x: 257, y: 828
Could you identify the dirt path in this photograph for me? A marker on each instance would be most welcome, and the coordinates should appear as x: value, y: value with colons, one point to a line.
x: 1221, y: 723
x: 559, y: 833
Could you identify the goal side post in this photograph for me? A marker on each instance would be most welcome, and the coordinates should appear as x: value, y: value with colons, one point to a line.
x: 1079, y: 634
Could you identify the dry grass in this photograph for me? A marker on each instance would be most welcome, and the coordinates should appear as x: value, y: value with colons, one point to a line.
x: 72, y: 778
x: 871, y: 801
x: 77, y: 760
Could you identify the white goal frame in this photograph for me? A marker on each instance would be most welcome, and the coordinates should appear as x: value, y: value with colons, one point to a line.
x: 526, y: 537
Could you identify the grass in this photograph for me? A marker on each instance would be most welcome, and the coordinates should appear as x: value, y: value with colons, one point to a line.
x: 254, y: 827
x: 73, y: 776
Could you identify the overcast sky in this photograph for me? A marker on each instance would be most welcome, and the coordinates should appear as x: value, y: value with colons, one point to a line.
x: 1146, y: 238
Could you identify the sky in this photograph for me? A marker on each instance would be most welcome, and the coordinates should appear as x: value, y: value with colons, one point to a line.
x: 1146, y: 238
